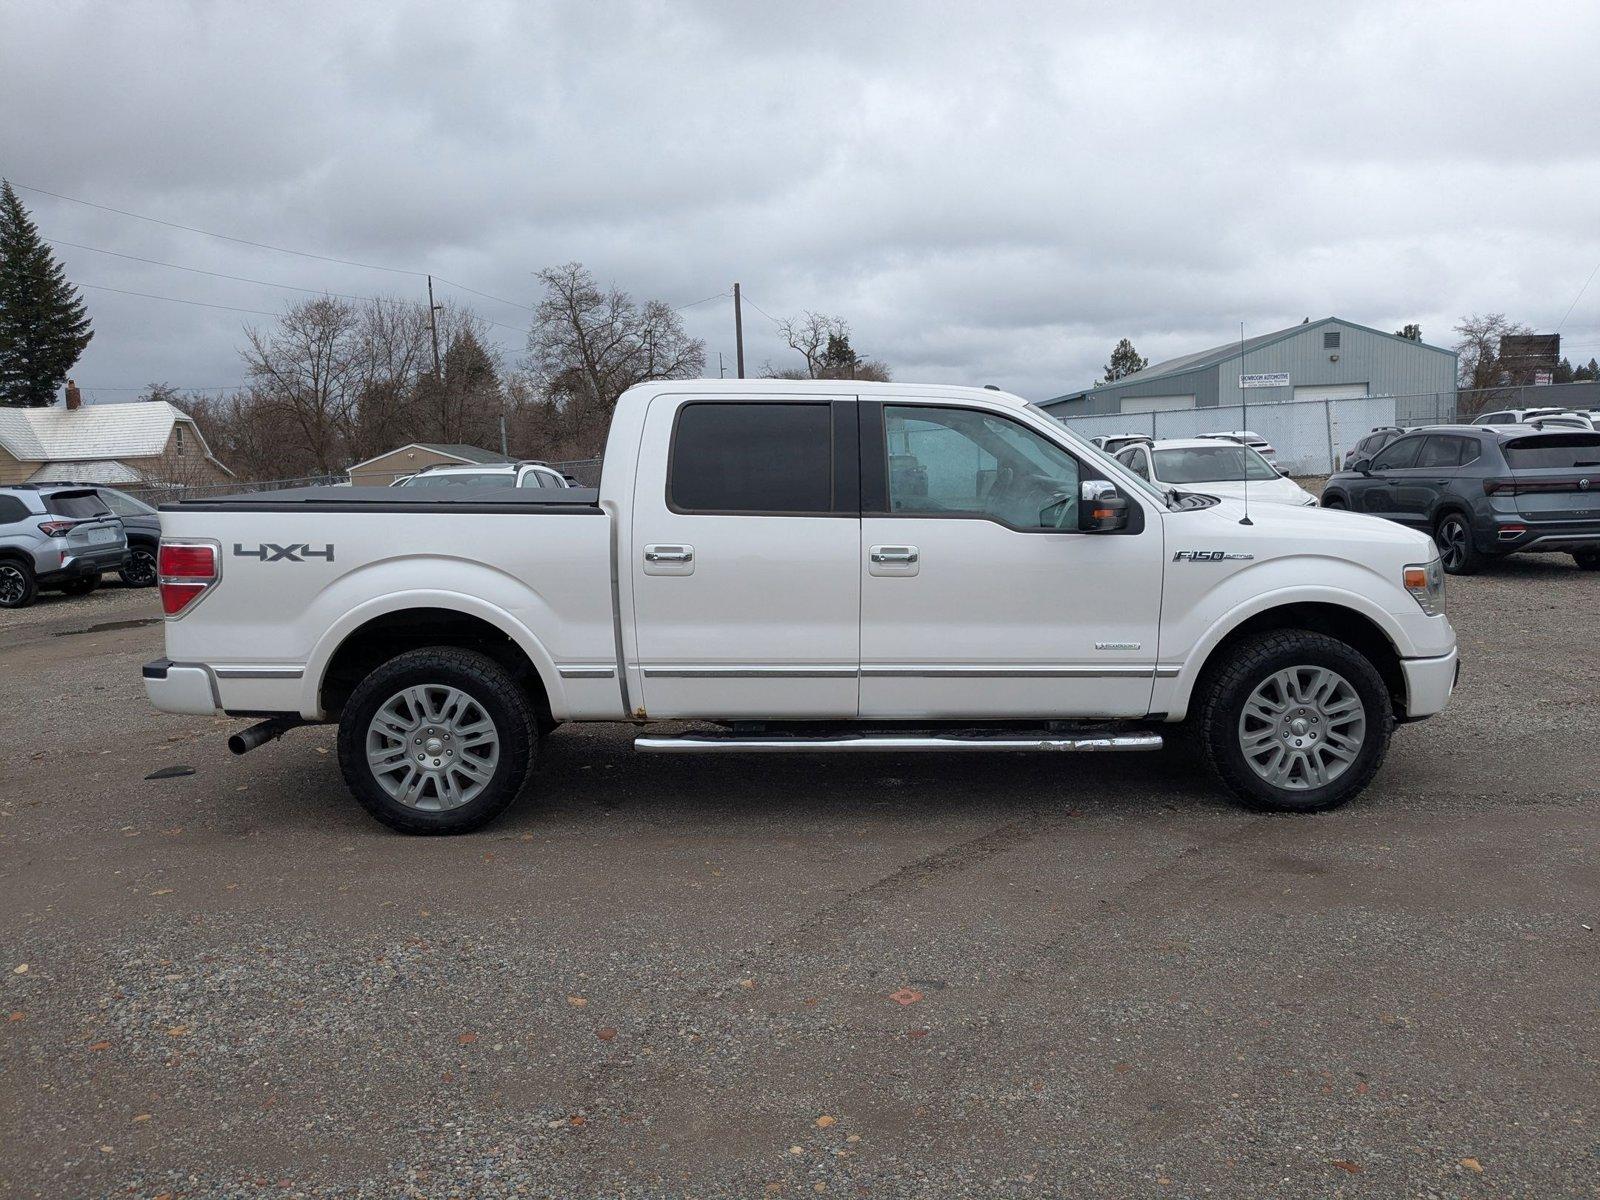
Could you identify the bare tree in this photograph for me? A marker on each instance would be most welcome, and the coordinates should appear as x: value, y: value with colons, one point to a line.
x: 808, y: 335
x: 588, y: 345
x: 390, y: 351
x: 307, y: 369
x: 1478, y: 350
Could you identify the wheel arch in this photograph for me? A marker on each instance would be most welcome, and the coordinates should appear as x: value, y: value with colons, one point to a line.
x: 352, y: 649
x: 1344, y: 622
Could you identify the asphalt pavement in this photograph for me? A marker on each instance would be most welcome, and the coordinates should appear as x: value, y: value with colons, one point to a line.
x: 988, y: 976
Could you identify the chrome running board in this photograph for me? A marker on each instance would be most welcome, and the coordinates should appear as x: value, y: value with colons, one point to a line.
x: 860, y: 743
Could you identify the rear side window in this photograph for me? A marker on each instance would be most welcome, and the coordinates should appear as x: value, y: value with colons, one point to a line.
x: 76, y: 505
x: 1440, y: 451
x: 1558, y: 451
x: 12, y: 509
x: 752, y: 458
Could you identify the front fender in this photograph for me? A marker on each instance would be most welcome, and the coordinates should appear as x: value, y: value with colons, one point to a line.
x: 1189, y: 639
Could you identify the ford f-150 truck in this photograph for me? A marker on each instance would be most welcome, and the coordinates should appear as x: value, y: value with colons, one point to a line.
x: 816, y: 566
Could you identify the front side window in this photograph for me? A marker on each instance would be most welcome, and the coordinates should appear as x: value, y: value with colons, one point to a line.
x: 956, y: 461
x: 1211, y: 464
x: 1397, y: 456
x: 752, y: 458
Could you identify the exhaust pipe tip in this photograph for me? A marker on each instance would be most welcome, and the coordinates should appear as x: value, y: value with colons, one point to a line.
x: 260, y: 734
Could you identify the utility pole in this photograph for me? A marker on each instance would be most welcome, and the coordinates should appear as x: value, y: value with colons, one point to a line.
x: 721, y: 371
x: 433, y: 328
x: 738, y: 328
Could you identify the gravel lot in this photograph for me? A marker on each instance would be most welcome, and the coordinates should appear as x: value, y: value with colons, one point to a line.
x: 1012, y: 976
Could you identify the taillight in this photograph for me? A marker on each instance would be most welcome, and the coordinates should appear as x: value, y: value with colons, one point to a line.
x: 55, y: 528
x: 185, y: 571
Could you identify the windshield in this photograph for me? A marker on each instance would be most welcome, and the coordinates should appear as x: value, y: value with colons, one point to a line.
x: 1211, y: 464
x: 481, y: 479
x: 1087, y: 450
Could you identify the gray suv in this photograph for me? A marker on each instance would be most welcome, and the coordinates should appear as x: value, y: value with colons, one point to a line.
x: 55, y: 537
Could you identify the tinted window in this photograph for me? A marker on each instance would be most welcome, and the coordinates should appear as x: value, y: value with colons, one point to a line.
x: 956, y: 460
x: 1211, y: 464
x: 1134, y: 461
x: 126, y: 506
x: 759, y: 458
x: 11, y: 509
x: 1398, y: 455
x: 1561, y: 451
x: 1439, y: 451
x: 1470, y: 450
x: 77, y: 505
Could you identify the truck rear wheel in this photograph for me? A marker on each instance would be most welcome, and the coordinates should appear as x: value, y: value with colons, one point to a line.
x: 1294, y: 721
x: 437, y: 740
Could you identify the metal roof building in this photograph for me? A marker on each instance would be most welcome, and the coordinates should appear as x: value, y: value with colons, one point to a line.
x: 1330, y: 359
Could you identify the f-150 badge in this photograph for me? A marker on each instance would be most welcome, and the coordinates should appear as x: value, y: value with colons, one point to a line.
x: 298, y: 552
x: 1209, y: 556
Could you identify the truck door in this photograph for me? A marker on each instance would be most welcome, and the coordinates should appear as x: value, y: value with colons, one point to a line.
x: 979, y: 598
x: 746, y: 528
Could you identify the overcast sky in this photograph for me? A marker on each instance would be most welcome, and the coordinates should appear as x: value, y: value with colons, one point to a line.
x: 988, y: 193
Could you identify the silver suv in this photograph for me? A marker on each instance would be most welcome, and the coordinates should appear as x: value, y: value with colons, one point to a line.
x: 55, y: 536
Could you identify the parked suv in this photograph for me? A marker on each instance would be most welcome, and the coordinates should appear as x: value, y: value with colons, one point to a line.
x: 520, y: 474
x: 1484, y: 491
x: 1363, y: 450
x: 143, y: 527
x: 55, y: 537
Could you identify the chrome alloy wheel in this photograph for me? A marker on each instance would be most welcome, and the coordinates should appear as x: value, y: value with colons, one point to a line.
x: 432, y: 747
x: 1302, y: 728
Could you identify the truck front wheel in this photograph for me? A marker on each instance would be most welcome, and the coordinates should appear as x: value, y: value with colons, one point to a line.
x: 437, y: 740
x: 1294, y: 721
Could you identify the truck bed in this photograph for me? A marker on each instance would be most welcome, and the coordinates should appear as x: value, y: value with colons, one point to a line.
x: 543, y: 501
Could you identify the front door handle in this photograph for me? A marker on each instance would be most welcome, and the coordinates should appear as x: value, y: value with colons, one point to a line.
x: 894, y: 554
x: 665, y: 559
x: 893, y: 560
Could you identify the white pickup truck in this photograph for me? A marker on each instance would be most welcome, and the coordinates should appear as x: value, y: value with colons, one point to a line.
x: 817, y: 566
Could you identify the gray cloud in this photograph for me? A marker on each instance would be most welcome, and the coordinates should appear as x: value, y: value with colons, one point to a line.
x: 988, y: 193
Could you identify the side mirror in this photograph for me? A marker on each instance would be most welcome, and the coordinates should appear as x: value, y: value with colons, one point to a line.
x: 1364, y: 466
x: 1283, y: 472
x: 1101, y: 509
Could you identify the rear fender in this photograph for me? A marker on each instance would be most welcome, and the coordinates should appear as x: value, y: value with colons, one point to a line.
x: 493, y: 614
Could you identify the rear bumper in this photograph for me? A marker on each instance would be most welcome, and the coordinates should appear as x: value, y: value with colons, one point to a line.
x: 1429, y: 683
x: 181, y: 688
x: 84, y: 564
x: 1516, y: 535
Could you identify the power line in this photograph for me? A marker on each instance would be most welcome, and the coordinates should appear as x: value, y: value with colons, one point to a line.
x: 174, y: 300
x: 761, y: 310
x: 228, y: 237
x: 154, y: 262
x: 1579, y: 296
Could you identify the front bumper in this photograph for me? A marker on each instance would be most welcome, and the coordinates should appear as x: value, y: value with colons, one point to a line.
x: 1429, y: 683
x: 181, y: 688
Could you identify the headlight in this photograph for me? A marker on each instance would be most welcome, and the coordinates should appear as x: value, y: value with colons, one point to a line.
x: 1425, y: 582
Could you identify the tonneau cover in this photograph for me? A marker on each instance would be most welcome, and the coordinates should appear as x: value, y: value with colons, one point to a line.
x: 400, y: 499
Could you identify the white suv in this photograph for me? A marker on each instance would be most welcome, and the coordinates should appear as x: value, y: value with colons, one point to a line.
x: 1214, y: 467
x: 519, y: 474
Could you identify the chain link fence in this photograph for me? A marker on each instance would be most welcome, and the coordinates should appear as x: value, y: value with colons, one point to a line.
x: 584, y: 472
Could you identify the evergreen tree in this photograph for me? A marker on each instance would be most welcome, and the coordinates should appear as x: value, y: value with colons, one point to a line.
x: 1125, y: 360
x: 1588, y: 374
x: 1411, y: 333
x: 43, y: 324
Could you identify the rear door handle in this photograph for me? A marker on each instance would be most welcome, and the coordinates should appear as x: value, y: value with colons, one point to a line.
x: 664, y: 559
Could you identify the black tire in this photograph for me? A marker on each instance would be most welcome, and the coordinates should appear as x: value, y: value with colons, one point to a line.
x: 18, y: 587
x: 1333, y: 502
x: 490, y: 687
x: 1453, y: 536
x: 1587, y: 560
x: 1219, y: 712
x: 83, y: 586
x: 140, y: 571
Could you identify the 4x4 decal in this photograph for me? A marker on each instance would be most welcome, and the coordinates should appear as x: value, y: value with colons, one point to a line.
x: 298, y: 552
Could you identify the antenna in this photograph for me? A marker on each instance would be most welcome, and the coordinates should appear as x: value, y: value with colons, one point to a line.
x: 1244, y: 422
